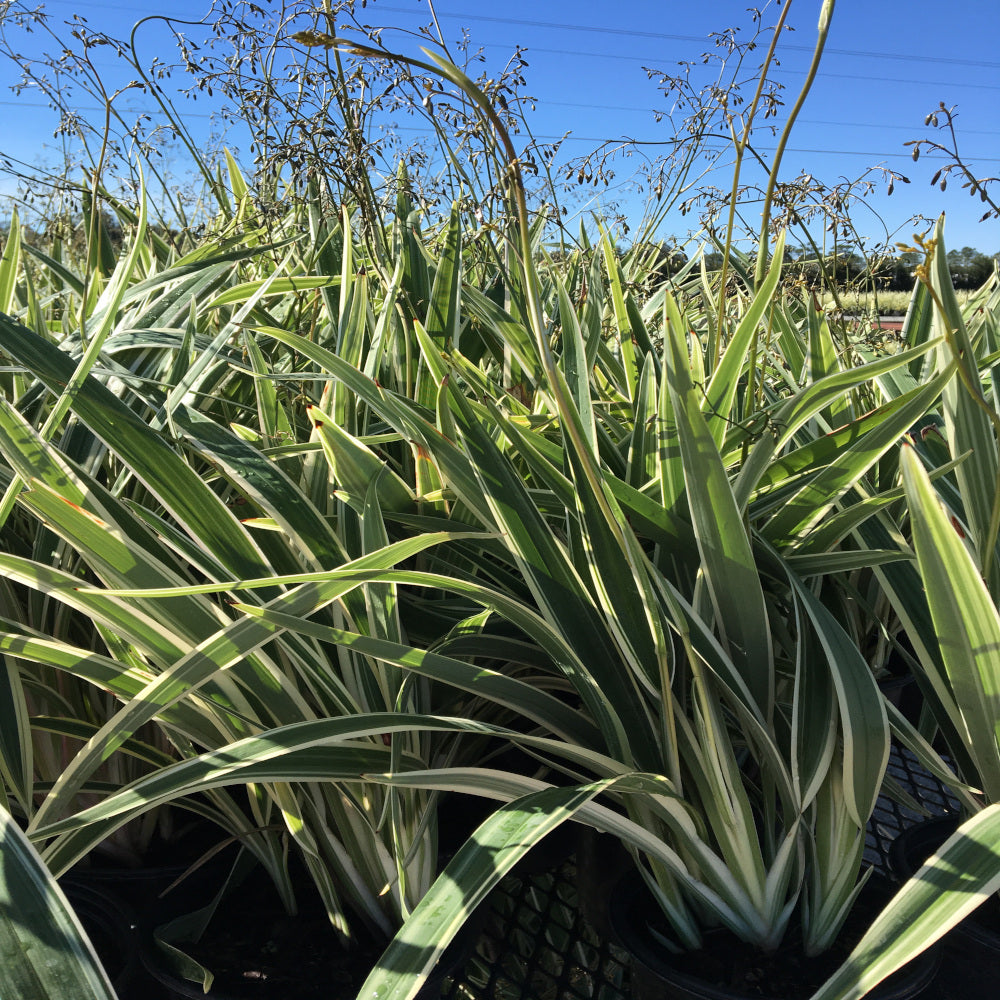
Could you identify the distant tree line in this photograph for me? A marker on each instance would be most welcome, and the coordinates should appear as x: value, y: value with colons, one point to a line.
x: 71, y: 231
x: 969, y: 267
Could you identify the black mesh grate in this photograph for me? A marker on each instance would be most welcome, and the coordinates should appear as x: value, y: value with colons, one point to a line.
x: 890, y: 818
x: 536, y: 946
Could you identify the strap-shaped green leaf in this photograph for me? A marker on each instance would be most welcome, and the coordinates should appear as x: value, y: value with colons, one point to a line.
x: 728, y: 561
x: 486, y: 857
x: 864, y: 726
x: 178, y: 486
x: 44, y: 952
x: 966, y: 622
x: 527, y: 700
x: 962, y: 874
x: 16, y: 757
x: 970, y: 424
x: 643, y: 449
x: 720, y: 393
x: 9, y: 261
x: 356, y: 466
x: 822, y: 490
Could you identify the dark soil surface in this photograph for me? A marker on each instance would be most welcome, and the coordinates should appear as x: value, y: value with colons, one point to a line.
x: 257, y: 951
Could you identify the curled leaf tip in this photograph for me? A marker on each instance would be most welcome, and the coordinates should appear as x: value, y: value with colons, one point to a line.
x: 313, y: 38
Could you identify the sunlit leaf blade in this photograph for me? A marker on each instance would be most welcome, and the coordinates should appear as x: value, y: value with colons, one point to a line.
x: 643, y: 445
x: 630, y: 337
x: 728, y: 560
x: 530, y: 702
x: 186, y: 668
x: 962, y: 874
x: 9, y: 261
x: 558, y: 587
x: 494, y: 848
x: 917, y: 324
x: 969, y: 423
x: 576, y: 365
x: 903, y: 584
x: 264, y: 481
x: 180, y: 489
x: 793, y: 414
x: 721, y: 391
x: 356, y: 466
x: 823, y: 361
x: 278, y: 286
x: 822, y: 490
x: 864, y: 725
x: 443, y: 309
x: 966, y: 623
x: 44, y: 951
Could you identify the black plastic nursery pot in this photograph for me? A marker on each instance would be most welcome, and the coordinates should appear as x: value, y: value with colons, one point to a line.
x: 267, y: 977
x: 727, y: 969
x: 176, y: 877
x: 601, y: 863
x: 902, y: 691
x: 113, y: 929
x: 257, y: 951
x: 971, y: 951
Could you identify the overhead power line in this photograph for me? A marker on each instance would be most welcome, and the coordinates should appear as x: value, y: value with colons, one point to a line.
x: 651, y: 60
x: 586, y: 28
x: 593, y: 139
x: 157, y: 112
x: 632, y: 33
x: 103, y: 64
x: 544, y: 103
x: 624, y: 140
x: 646, y: 60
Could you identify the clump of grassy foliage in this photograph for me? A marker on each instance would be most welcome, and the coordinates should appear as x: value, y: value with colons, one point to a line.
x: 365, y: 474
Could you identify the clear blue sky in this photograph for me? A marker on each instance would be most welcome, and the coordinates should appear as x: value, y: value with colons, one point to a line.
x: 887, y: 65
